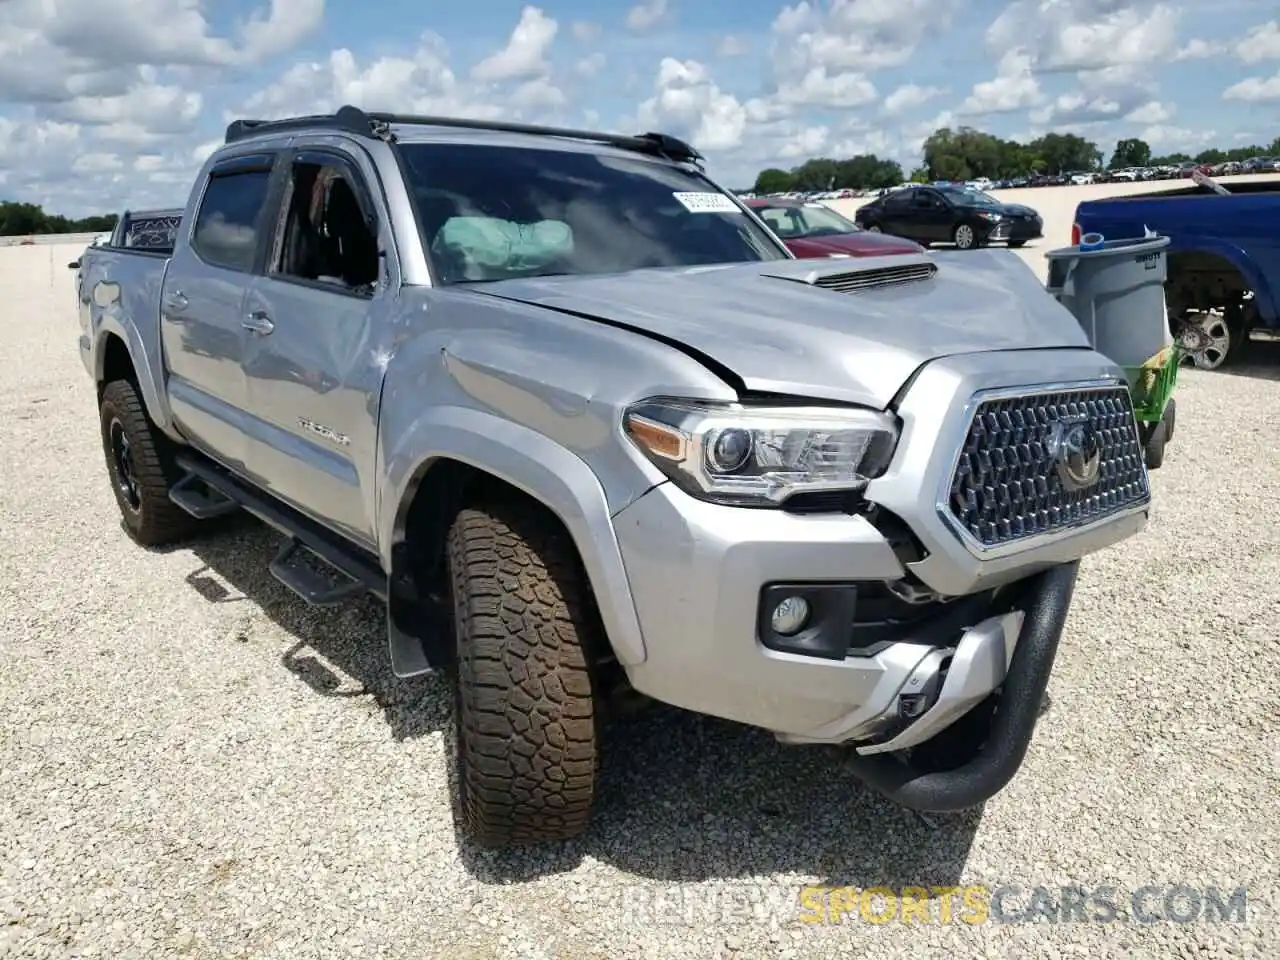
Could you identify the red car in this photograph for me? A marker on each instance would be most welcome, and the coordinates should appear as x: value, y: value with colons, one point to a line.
x: 814, y: 230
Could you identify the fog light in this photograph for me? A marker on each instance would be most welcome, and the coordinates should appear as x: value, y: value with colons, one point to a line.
x: 790, y: 616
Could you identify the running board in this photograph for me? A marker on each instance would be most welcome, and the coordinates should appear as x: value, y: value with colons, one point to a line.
x: 318, y: 582
x: 200, y: 500
x: 354, y: 571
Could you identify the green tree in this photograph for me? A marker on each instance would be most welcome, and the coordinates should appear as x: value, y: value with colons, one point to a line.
x: 1130, y: 153
x: 774, y: 180
x: 867, y: 170
x: 816, y: 174
x: 23, y: 219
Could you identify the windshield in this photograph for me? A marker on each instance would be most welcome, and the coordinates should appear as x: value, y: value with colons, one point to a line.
x: 809, y: 220
x: 976, y: 196
x: 500, y: 212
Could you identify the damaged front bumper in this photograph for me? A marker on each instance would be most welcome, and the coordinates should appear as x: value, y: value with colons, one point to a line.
x: 970, y: 769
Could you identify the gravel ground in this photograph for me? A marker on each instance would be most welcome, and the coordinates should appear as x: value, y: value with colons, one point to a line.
x: 194, y: 764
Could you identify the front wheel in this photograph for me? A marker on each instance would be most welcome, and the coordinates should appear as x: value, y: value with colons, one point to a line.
x: 140, y: 464
x: 964, y: 237
x: 873, y: 228
x: 525, y: 753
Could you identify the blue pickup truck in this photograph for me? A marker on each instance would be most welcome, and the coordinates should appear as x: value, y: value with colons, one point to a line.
x: 1224, y: 259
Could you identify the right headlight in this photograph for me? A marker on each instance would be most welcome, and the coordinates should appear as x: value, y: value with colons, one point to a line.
x: 761, y: 456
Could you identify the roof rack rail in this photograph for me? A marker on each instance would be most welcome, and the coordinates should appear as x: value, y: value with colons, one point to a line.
x: 353, y: 120
x: 658, y: 144
x: 346, y: 119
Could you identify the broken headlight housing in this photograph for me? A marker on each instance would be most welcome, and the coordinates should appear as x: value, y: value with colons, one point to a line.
x: 762, y: 455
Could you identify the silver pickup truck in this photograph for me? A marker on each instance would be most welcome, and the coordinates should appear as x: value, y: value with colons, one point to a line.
x: 587, y: 427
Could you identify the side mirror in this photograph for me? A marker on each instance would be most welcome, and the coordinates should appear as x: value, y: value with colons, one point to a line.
x: 73, y: 265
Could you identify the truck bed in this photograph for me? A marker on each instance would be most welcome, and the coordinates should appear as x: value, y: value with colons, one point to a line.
x: 147, y: 231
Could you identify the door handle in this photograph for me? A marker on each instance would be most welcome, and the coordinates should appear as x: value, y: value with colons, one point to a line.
x: 258, y: 322
x: 177, y: 300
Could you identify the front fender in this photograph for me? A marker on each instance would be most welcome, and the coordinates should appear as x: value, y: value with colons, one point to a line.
x: 540, y: 467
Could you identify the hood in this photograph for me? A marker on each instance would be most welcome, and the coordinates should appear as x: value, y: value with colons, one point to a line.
x: 780, y: 330
x: 1018, y: 210
x: 861, y: 244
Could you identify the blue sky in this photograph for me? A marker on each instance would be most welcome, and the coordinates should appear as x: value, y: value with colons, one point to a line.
x: 104, y: 102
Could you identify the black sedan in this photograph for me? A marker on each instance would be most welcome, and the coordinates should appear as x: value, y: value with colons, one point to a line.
x: 961, y: 215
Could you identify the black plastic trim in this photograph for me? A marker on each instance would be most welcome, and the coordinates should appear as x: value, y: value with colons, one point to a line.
x: 1046, y: 600
x: 832, y: 606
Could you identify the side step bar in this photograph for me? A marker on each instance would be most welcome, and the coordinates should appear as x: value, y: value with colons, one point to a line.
x: 316, y: 586
x: 201, y: 500
x: 343, y: 571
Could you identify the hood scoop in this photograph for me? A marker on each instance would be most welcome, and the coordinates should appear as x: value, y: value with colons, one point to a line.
x: 873, y: 273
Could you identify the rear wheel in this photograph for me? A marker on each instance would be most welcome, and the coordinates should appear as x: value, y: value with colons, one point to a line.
x: 141, y: 466
x: 1211, y: 339
x: 525, y: 751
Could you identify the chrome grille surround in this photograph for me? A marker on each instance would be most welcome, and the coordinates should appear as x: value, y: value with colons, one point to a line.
x: 1004, y: 491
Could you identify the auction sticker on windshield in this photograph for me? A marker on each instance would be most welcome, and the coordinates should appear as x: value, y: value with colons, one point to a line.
x: 706, y: 203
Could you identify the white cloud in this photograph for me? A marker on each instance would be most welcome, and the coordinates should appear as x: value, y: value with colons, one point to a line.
x: 591, y: 64
x: 854, y: 35
x: 288, y: 24
x: 817, y: 88
x: 1262, y: 43
x: 1014, y: 88
x: 1062, y: 35
x: 1197, y: 49
x: 539, y: 94
x: 1151, y: 113
x: 584, y: 31
x: 646, y: 15
x: 1163, y: 138
x: 1254, y: 90
x: 688, y: 102
x: 526, y: 50
x: 910, y: 96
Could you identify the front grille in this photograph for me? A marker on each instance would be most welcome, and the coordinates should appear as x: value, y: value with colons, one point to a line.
x: 877, y: 277
x: 1007, y: 483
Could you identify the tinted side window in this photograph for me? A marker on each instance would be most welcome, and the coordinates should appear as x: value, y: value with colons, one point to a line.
x: 226, y: 232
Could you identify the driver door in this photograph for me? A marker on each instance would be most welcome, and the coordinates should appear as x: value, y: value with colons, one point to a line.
x: 932, y: 216
x: 311, y: 368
